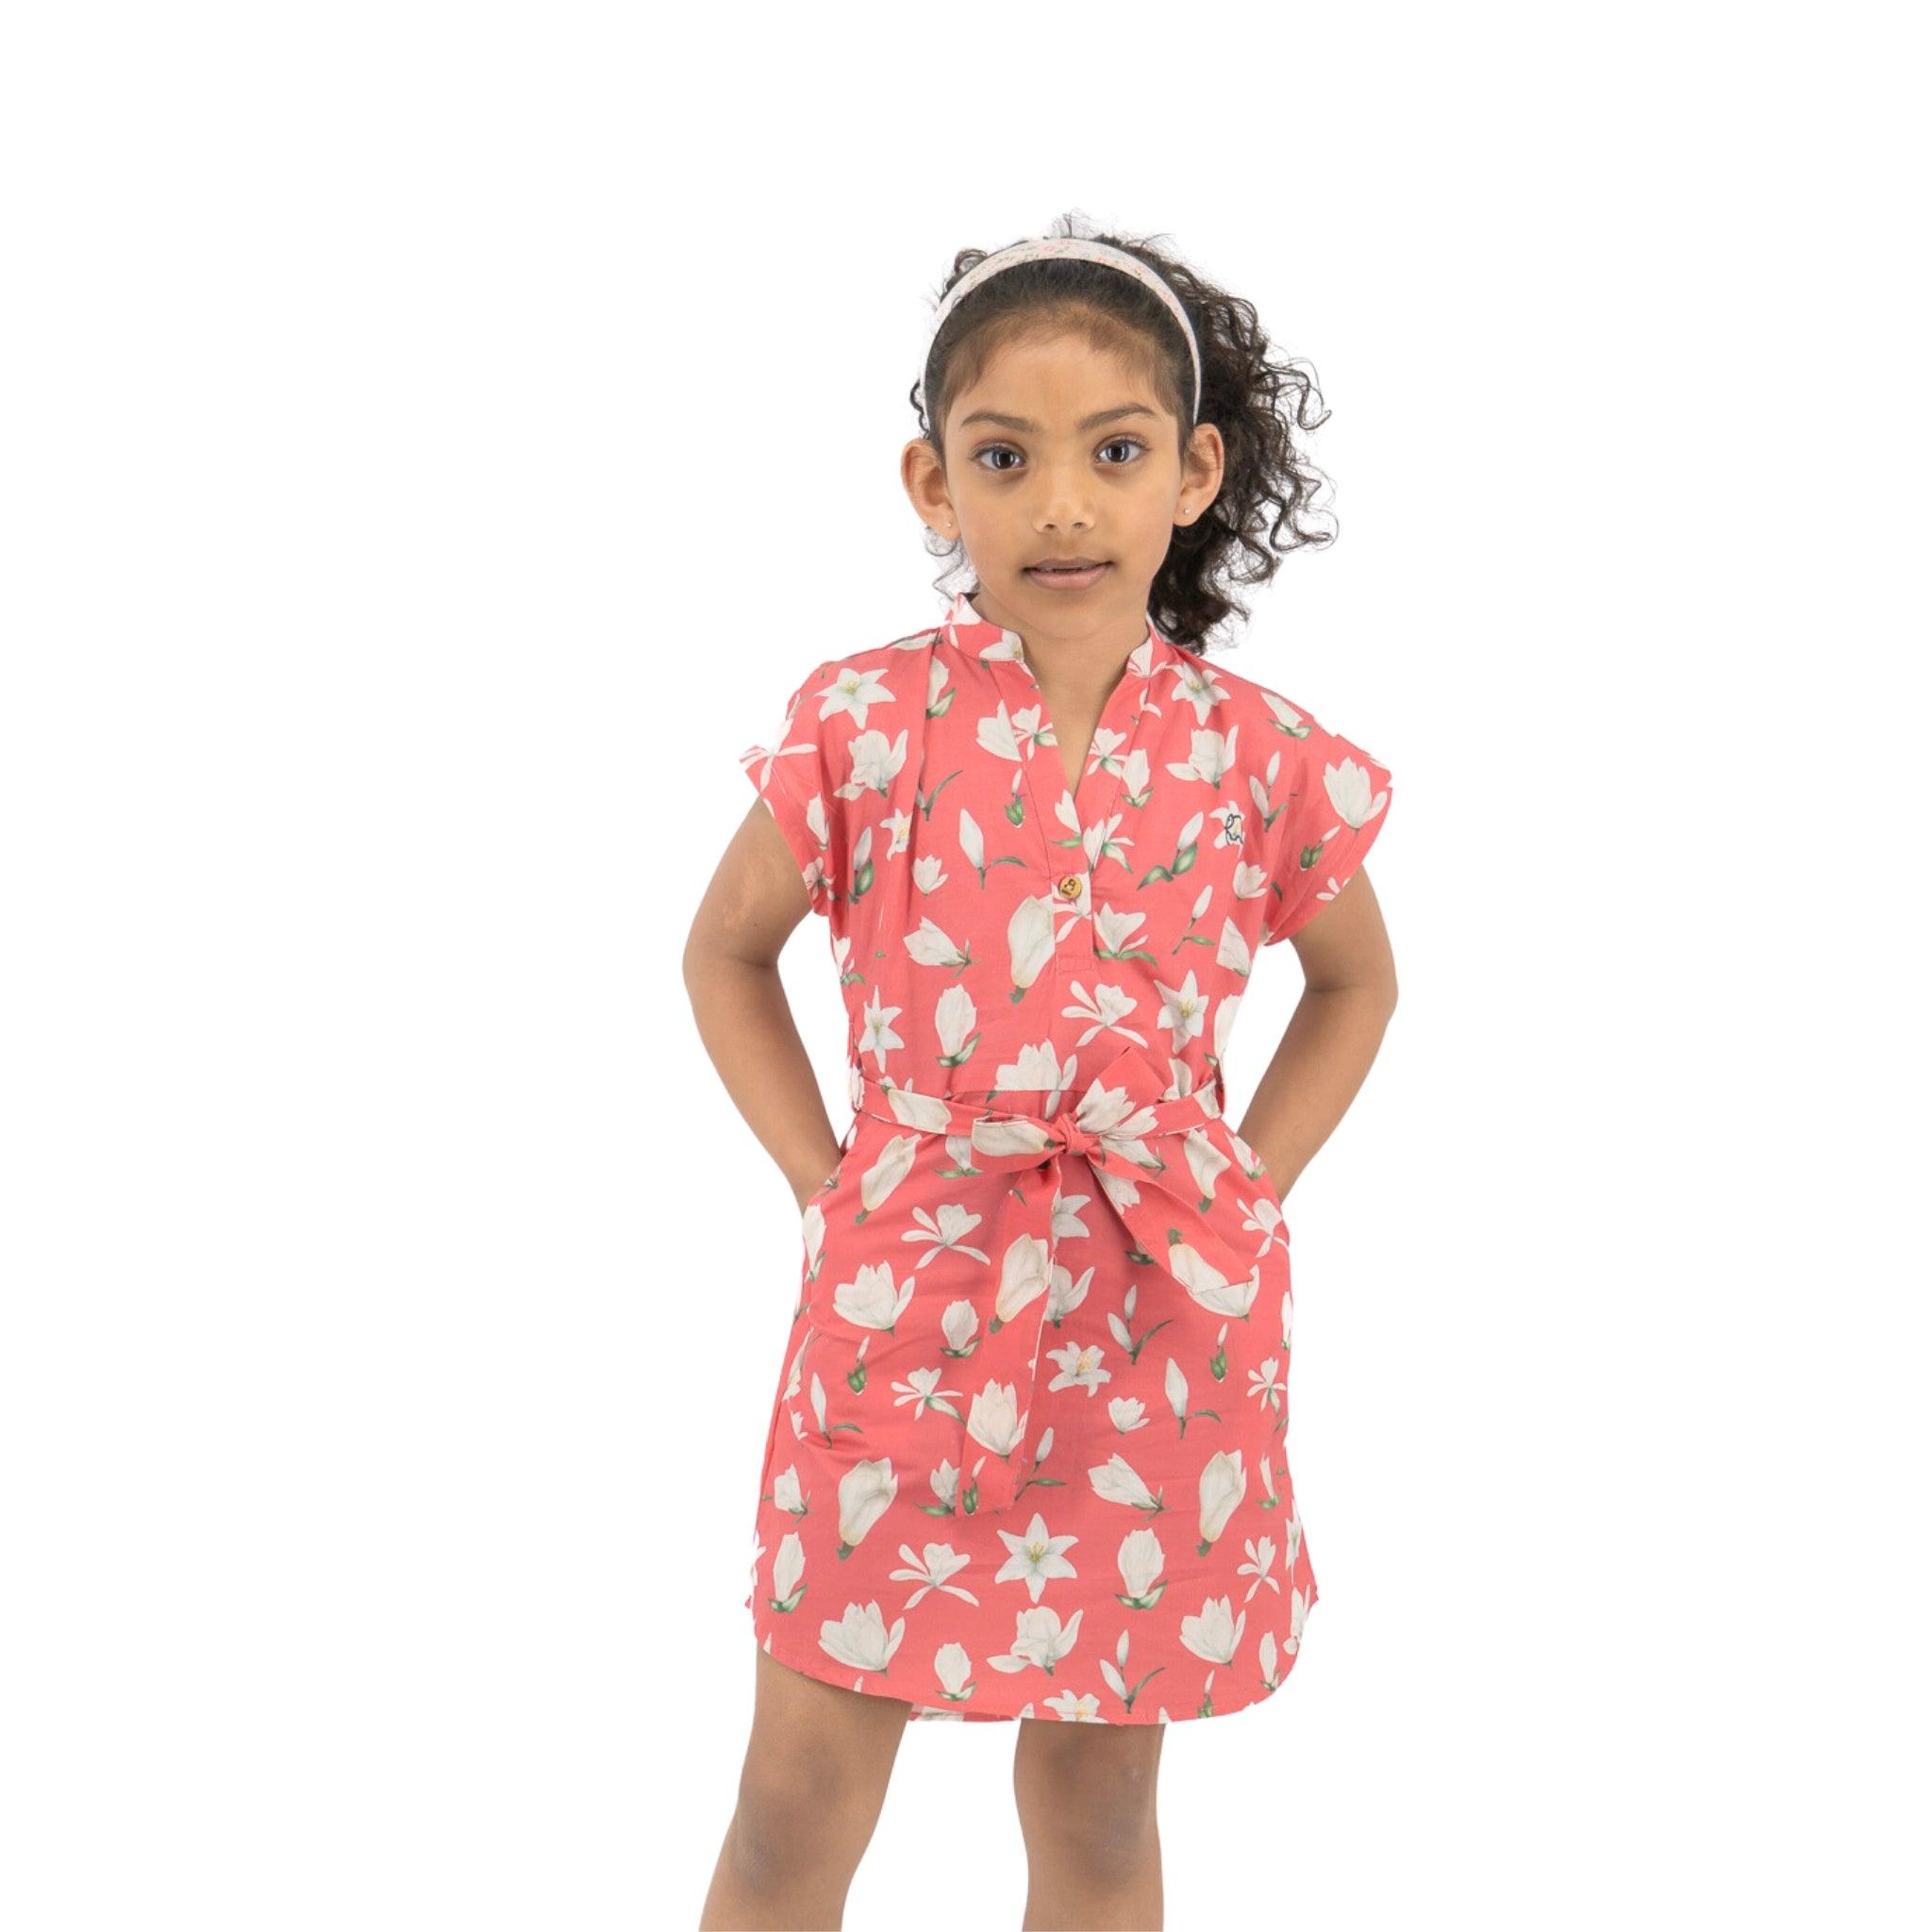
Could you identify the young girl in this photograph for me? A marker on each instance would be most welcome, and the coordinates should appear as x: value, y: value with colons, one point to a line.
x: 1028, y: 1457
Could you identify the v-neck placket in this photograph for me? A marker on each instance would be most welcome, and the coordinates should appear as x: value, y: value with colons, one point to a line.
x: 1122, y: 714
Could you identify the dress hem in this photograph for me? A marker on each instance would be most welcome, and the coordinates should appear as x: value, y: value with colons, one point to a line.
x: 811, y: 1662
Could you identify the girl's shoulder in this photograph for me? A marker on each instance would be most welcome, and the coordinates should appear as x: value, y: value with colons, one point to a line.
x: 846, y: 696
x: 1236, y: 698
x: 1266, y: 715
x: 876, y: 664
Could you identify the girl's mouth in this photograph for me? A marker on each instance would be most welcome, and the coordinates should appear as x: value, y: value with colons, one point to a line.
x: 1067, y: 579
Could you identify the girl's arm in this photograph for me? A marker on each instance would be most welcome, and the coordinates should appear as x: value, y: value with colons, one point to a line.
x: 1332, y: 1035
x: 754, y: 901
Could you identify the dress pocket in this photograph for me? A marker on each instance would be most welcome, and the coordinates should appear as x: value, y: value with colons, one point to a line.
x: 1255, y: 1170
x: 860, y: 1247
x: 823, y: 1193
x: 826, y: 1235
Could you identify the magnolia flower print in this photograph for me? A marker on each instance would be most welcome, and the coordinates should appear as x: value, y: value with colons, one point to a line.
x: 1029, y: 939
x: 1028, y: 1451
x: 1351, y: 789
x: 1211, y: 760
x: 853, y: 693
x: 876, y: 762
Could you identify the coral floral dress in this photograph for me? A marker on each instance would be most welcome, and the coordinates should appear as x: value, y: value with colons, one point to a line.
x: 1028, y: 1451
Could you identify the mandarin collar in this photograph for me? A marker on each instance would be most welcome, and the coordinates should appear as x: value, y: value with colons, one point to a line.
x: 973, y: 633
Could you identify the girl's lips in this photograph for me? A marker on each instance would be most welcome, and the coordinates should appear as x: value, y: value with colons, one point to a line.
x: 1066, y: 579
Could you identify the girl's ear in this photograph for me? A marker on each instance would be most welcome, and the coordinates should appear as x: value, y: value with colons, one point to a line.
x: 1202, y: 472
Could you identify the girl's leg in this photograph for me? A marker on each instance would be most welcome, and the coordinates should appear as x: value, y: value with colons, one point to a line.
x: 814, y: 1777
x: 1086, y: 1794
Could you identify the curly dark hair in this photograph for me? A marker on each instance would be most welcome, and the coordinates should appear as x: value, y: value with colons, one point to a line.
x: 1264, y: 409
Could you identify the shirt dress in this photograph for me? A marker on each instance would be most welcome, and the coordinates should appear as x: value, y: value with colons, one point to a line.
x: 1028, y: 1451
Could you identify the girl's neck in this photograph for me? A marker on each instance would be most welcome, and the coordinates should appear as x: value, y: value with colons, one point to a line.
x: 1089, y: 662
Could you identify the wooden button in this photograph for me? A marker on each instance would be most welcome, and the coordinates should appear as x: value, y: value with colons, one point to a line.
x: 1070, y: 886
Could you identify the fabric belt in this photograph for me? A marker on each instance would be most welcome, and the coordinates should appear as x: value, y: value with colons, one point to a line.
x: 1155, y: 1168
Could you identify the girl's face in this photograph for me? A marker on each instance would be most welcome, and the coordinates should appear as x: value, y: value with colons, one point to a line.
x: 1062, y: 450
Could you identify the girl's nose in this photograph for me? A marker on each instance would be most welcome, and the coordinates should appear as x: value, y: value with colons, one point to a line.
x: 1065, y: 504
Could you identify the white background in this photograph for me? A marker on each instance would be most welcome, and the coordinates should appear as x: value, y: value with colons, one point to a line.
x: 435, y: 442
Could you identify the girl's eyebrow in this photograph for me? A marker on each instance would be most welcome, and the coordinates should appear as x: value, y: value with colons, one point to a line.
x: 1023, y: 423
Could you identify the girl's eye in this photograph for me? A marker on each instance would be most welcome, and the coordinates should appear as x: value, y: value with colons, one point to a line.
x: 1000, y: 449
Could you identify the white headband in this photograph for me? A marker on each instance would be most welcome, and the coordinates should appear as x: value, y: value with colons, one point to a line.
x: 1076, y: 248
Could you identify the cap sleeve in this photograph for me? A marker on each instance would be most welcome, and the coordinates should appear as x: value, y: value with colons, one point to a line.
x: 1337, y: 807
x: 794, y: 776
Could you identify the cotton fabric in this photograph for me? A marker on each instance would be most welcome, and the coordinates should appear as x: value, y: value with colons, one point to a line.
x: 1027, y: 1456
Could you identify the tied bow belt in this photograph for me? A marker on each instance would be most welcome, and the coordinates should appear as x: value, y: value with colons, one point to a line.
x: 1128, y: 1133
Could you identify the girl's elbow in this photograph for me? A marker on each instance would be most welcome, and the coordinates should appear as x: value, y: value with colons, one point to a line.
x: 698, y: 956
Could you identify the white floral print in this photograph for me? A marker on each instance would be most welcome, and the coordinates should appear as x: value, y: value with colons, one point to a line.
x: 1041, y: 1347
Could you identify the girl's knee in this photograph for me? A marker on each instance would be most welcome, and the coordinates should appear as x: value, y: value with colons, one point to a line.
x: 801, y: 1815
x: 1094, y: 1810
